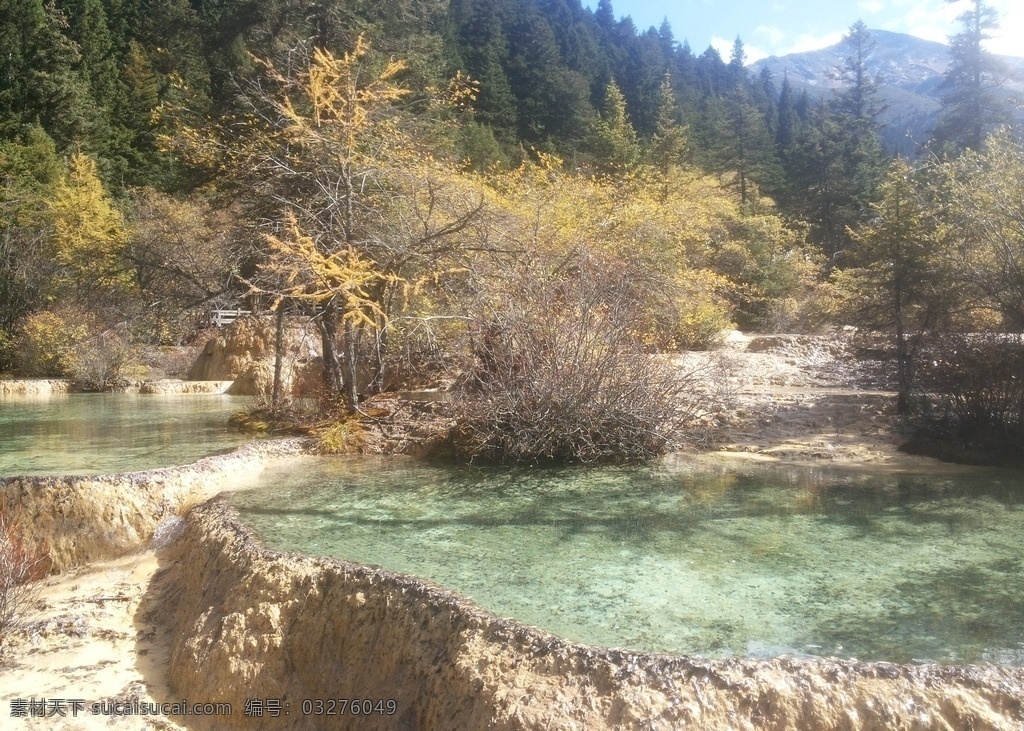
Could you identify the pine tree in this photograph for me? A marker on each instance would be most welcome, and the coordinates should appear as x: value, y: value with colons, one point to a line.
x: 834, y: 160
x: 745, y: 146
x: 605, y: 15
x: 971, y: 108
x: 134, y: 108
x: 823, y: 189
x: 29, y: 168
x: 97, y: 67
x: 87, y: 27
x: 738, y: 63
x: 484, y: 49
x: 860, y: 98
x: 614, y: 139
x: 668, y: 143
x: 38, y: 80
x: 786, y: 127
x: 901, y: 282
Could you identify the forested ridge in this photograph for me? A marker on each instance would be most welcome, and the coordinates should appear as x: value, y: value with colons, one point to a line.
x: 383, y: 169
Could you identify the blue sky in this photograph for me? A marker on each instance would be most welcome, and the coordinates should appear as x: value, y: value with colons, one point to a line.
x: 777, y: 27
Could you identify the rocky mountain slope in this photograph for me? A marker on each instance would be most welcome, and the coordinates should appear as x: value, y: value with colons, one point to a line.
x: 910, y: 72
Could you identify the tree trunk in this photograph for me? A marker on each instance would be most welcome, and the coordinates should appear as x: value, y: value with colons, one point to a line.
x: 904, y: 360
x: 350, y: 369
x: 904, y: 374
x: 275, y: 394
x: 327, y: 324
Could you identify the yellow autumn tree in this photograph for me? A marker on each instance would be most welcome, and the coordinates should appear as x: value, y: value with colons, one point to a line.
x: 700, y: 259
x: 82, y: 331
x: 328, y: 159
x: 89, y: 235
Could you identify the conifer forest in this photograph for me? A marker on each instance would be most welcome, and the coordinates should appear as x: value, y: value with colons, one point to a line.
x: 496, y: 187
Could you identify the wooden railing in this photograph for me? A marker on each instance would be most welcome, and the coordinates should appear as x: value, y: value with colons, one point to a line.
x: 220, y: 318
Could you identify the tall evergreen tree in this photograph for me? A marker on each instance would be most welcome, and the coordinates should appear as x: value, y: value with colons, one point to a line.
x: 29, y: 170
x: 901, y: 282
x: 835, y: 162
x: 823, y: 187
x: 38, y: 80
x: 738, y: 63
x: 787, y: 119
x: 860, y: 98
x: 668, y: 143
x: 971, y: 108
x: 745, y: 146
x: 614, y: 140
x: 87, y: 27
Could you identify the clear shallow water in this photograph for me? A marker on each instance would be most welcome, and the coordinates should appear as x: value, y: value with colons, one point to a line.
x: 750, y: 561
x: 95, y: 433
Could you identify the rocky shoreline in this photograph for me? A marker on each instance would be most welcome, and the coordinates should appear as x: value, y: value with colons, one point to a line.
x: 42, y: 387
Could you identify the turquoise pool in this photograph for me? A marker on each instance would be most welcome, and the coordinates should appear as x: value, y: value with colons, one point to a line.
x: 705, y: 559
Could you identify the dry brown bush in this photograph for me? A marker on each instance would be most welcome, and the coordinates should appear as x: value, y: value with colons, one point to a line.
x: 974, y: 386
x: 22, y: 565
x: 561, y: 372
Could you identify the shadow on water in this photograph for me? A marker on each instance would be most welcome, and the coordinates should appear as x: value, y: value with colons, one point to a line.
x: 980, y: 605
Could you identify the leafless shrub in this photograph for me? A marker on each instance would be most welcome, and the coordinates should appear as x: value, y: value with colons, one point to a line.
x: 561, y: 373
x: 975, y: 386
x: 21, y: 567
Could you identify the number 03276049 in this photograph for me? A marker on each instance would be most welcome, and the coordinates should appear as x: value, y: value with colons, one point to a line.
x: 349, y: 707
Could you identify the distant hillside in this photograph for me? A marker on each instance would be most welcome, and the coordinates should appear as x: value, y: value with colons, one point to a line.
x: 910, y: 71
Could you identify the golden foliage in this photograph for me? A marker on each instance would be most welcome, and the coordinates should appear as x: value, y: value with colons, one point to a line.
x: 89, y: 235
x: 49, y: 340
x: 72, y: 342
x: 300, y: 270
x: 687, y: 230
x: 343, y: 436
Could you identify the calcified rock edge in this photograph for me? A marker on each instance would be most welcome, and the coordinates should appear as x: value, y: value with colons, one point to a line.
x: 79, y: 519
x: 42, y: 387
x: 249, y: 622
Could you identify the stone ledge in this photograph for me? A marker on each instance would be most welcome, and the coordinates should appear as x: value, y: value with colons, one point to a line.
x: 79, y: 518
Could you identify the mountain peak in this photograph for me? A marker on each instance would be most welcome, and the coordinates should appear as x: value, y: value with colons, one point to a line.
x: 910, y: 72
x: 897, y: 58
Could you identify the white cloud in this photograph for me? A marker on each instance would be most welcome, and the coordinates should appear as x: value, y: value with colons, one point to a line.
x: 776, y: 42
x: 933, y: 20
x: 1007, y: 39
x: 755, y: 53
x: 723, y: 46
x: 814, y: 41
x: 936, y: 20
x: 773, y: 35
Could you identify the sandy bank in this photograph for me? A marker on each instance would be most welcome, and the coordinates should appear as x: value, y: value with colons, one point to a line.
x: 84, y: 640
